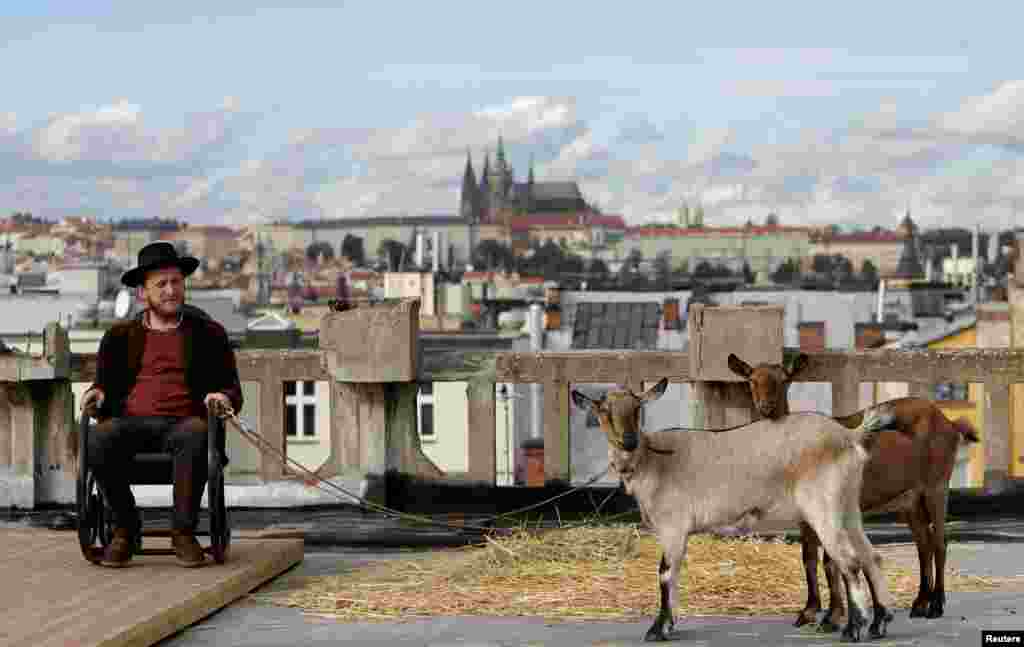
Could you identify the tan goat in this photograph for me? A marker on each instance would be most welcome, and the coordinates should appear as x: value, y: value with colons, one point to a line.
x: 906, y: 472
x: 803, y: 467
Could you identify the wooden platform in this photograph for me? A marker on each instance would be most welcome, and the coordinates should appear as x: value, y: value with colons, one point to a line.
x: 52, y: 597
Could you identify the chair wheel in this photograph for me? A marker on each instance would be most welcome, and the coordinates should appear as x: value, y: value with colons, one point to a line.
x: 93, y: 521
x: 220, y: 526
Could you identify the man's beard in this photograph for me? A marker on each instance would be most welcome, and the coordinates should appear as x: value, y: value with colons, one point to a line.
x: 166, y: 308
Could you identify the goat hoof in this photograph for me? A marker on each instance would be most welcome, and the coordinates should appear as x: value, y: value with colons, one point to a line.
x: 935, y: 610
x: 655, y: 634
x: 827, y: 626
x: 806, y: 617
x: 919, y: 608
x: 880, y: 625
x: 852, y: 631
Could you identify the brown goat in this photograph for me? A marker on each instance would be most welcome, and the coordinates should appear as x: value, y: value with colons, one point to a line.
x: 907, y: 472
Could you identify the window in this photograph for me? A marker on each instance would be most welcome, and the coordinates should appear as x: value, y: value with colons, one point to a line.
x: 592, y: 420
x: 300, y: 409
x: 425, y: 404
x: 951, y: 391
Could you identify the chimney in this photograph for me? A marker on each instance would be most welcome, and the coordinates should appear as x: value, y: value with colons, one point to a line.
x: 812, y: 336
x: 419, y: 250
x: 868, y: 335
x: 670, y: 313
x: 553, y: 308
x: 437, y: 251
x: 880, y: 314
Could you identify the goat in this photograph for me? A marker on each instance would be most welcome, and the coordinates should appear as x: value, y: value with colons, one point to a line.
x: 906, y: 472
x: 802, y: 466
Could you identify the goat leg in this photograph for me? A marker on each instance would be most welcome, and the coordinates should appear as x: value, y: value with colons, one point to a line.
x: 856, y: 620
x: 936, y: 507
x: 809, y: 552
x: 882, y: 615
x: 674, y: 552
x: 657, y: 630
x: 836, y: 614
x: 918, y: 521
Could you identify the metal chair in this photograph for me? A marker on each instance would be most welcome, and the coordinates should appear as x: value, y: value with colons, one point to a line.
x: 95, y: 519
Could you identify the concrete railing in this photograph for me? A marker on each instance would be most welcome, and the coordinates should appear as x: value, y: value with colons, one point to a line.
x: 373, y: 428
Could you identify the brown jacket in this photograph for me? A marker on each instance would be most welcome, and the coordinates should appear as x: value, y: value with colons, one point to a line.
x: 209, y: 362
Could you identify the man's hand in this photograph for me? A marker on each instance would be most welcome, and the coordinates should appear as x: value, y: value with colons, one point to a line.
x: 92, y: 401
x: 219, y: 403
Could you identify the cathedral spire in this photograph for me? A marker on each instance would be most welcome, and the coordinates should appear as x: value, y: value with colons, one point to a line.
x: 468, y: 200
x: 501, y: 154
x: 485, y: 181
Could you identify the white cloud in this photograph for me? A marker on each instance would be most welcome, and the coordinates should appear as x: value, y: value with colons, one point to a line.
x: 8, y: 123
x: 998, y: 115
x: 950, y: 167
x: 117, y: 133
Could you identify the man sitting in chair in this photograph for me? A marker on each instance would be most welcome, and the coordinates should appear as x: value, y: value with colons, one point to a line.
x: 156, y: 377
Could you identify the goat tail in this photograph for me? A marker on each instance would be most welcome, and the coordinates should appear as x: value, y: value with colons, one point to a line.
x: 966, y: 430
x: 876, y: 419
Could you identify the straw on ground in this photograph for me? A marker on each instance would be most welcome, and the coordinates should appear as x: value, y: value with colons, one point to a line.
x: 583, y: 573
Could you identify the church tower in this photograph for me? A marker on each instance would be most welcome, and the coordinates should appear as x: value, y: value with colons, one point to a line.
x: 499, y: 178
x: 484, y: 193
x: 469, y: 201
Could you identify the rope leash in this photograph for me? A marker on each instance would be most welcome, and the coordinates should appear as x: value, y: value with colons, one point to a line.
x: 265, y: 446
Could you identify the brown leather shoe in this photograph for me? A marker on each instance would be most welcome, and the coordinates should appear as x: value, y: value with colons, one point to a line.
x: 118, y: 552
x: 187, y: 549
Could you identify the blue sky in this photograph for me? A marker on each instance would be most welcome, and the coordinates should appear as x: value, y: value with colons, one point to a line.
x: 250, y: 111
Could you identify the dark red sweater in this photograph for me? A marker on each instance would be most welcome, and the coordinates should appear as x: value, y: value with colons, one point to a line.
x: 161, y: 389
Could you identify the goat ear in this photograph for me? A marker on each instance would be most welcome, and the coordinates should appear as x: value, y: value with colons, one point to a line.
x: 739, y: 367
x: 581, y: 401
x: 655, y: 391
x: 798, y: 364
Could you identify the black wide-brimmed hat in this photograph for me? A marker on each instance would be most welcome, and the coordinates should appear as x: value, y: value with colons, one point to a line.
x: 155, y: 256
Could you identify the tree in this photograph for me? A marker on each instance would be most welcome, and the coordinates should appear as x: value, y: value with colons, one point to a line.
x: 833, y: 268
x: 704, y: 270
x: 599, y: 272
x: 547, y: 261
x: 352, y: 248
x: 842, y: 268
x: 748, y: 274
x: 868, y: 272
x: 318, y: 249
x: 493, y: 255
x: 787, y: 272
x: 821, y: 264
x: 628, y: 270
x: 663, y: 270
x: 393, y: 253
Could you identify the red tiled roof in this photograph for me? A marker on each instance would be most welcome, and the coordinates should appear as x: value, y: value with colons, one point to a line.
x: 884, y: 236
x: 604, y: 220
x: 566, y: 220
x: 667, y: 232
